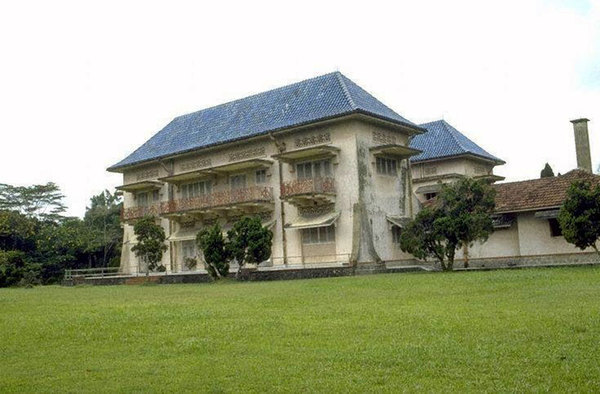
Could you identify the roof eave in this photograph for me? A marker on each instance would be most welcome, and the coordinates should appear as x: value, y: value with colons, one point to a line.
x: 497, y: 162
x: 416, y: 130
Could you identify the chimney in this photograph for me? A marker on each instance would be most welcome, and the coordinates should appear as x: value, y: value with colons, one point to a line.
x: 582, y: 144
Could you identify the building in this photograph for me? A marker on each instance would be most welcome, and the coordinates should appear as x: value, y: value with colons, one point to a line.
x: 329, y: 168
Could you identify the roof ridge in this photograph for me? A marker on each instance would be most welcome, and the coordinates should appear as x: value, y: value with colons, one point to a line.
x: 345, y: 90
x: 256, y: 94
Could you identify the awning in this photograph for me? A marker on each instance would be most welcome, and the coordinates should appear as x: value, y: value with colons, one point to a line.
x: 144, y: 185
x: 502, y: 220
x: 224, y: 168
x: 548, y: 214
x: 190, y: 234
x: 400, y: 221
x: 316, y: 221
x: 313, y: 151
x: 184, y: 235
x: 429, y: 189
x: 395, y: 150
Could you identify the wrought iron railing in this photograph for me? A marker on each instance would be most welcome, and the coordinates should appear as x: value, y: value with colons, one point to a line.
x: 139, y: 212
x: 308, y: 186
x: 91, y: 272
x: 219, y: 199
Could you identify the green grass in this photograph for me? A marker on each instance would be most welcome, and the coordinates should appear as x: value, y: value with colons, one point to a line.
x: 512, y: 330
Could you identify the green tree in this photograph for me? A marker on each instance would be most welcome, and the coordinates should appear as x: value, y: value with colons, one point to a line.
x: 467, y: 206
x: 547, y: 171
x: 460, y: 216
x: 44, y: 202
x: 65, y: 245
x: 17, y: 231
x: 421, y: 237
x: 249, y: 242
x: 150, y: 244
x: 579, y: 216
x: 103, y: 216
x: 216, y: 255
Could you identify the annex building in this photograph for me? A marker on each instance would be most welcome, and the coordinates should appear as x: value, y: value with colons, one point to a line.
x: 330, y: 169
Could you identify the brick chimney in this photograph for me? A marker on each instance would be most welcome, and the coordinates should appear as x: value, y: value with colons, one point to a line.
x: 582, y: 144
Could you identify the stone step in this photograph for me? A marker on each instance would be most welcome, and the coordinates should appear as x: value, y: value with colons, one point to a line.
x: 138, y: 280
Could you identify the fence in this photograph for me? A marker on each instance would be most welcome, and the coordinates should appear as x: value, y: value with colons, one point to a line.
x: 92, y: 272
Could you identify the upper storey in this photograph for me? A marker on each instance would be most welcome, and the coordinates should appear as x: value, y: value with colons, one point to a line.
x: 442, y: 141
x: 325, y: 97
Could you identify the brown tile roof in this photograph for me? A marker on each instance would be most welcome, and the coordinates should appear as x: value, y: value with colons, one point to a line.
x: 537, y: 194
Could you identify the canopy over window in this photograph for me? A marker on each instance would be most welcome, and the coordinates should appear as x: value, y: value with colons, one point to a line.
x: 400, y: 221
x: 316, y: 221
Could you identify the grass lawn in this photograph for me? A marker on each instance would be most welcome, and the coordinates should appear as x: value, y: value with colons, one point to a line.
x: 512, y: 330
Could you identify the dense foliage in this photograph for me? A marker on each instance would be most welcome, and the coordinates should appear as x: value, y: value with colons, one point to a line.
x: 37, y: 243
x: 547, y: 171
x: 249, y: 242
x: 579, y: 216
x: 216, y: 255
x: 150, y: 245
x: 460, y: 216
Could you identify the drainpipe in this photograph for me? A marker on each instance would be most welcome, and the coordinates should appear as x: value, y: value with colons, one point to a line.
x: 281, y: 148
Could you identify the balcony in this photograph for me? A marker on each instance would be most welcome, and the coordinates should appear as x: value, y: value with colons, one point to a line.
x: 310, y: 191
x: 250, y: 199
x: 133, y: 213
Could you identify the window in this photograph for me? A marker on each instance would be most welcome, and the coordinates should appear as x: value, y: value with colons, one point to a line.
x: 319, y: 235
x: 387, y: 166
x: 155, y: 196
x: 430, y: 196
x: 188, y: 249
x: 238, y: 182
x: 396, y: 232
x: 142, y: 199
x: 313, y: 169
x: 261, y: 176
x: 555, y: 229
x: 191, y: 190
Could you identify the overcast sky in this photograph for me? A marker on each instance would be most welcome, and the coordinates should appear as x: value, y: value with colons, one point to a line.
x: 82, y: 84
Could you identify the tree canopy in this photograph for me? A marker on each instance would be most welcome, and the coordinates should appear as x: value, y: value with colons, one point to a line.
x: 43, y: 202
x: 216, y: 255
x: 579, y: 216
x: 547, y: 171
x: 249, y: 242
x: 150, y: 245
x: 460, y: 216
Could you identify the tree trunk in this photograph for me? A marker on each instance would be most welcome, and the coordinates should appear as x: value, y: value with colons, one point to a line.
x: 466, y: 255
x: 450, y: 264
x: 596, y: 249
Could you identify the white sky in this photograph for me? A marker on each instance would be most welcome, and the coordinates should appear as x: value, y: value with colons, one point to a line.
x: 82, y: 84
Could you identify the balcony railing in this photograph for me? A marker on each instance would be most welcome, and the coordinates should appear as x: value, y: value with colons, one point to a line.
x: 308, y: 186
x: 219, y: 199
x: 132, y: 213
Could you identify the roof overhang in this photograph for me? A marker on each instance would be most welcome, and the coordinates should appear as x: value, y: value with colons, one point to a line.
x: 463, y: 155
x: 224, y: 168
x: 137, y: 186
x: 547, y: 214
x: 305, y: 153
x: 528, y: 209
x: 394, y: 150
x: 316, y: 221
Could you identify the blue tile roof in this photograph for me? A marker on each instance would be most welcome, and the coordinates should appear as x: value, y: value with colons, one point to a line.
x: 315, y: 99
x: 442, y: 140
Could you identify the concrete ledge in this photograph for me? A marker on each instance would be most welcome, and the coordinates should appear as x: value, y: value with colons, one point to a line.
x: 405, y: 266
